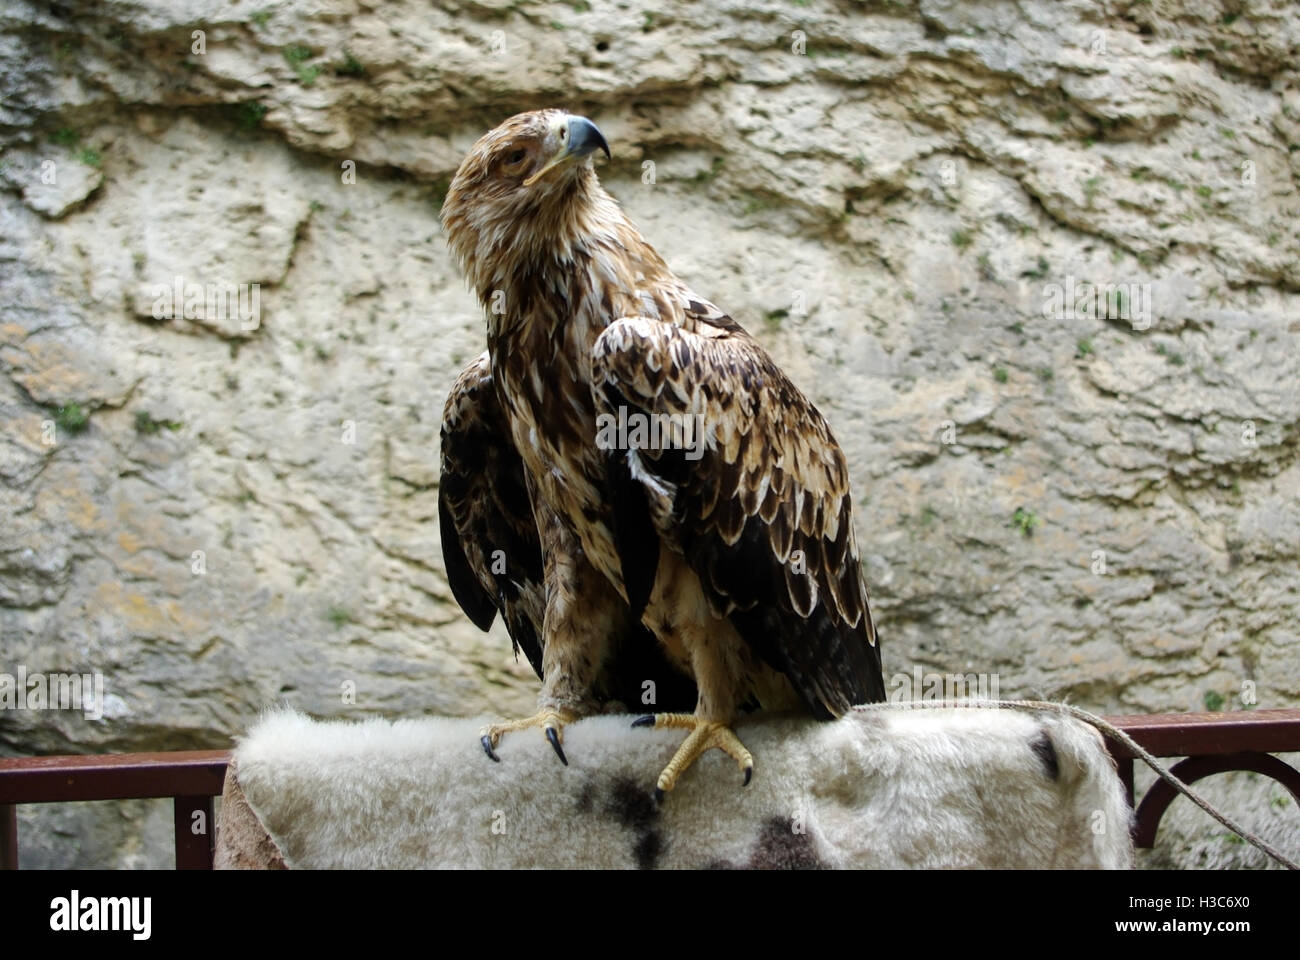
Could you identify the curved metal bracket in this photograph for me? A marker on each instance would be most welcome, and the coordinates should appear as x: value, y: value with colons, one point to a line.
x: 1161, y: 794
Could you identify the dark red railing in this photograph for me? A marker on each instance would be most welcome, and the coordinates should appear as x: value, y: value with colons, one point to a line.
x: 1211, y: 742
x: 190, y: 778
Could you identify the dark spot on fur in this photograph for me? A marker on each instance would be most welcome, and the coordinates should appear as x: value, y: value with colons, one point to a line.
x: 778, y: 848
x: 586, y: 797
x: 631, y: 805
x: 1046, y: 752
x: 647, y: 849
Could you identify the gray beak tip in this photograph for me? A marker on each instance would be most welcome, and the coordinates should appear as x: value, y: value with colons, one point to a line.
x: 585, y: 138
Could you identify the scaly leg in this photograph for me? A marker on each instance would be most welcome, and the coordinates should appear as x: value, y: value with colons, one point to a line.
x: 721, y: 664
x: 704, y: 735
x: 577, y: 641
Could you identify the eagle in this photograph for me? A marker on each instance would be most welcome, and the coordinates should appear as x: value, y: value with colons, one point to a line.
x: 659, y: 515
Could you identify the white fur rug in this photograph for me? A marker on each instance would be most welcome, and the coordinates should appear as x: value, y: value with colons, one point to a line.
x: 882, y: 788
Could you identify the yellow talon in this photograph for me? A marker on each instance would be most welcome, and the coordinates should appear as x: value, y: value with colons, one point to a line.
x: 704, y: 735
x: 551, y: 721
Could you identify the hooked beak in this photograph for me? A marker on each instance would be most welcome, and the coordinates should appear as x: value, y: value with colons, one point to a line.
x: 579, y: 138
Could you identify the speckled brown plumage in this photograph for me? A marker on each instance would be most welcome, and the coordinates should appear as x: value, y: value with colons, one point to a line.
x: 740, y: 561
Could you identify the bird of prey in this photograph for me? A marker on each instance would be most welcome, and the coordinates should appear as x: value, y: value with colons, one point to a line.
x: 658, y: 514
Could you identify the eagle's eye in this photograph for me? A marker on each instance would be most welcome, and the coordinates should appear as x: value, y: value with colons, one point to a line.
x: 514, y: 160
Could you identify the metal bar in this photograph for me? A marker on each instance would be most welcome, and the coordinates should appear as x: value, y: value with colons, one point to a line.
x: 1161, y: 794
x: 128, y: 776
x: 8, y: 836
x: 193, y: 820
x: 1199, y: 734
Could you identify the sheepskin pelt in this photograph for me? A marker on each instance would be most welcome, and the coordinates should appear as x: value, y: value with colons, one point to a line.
x: 880, y: 788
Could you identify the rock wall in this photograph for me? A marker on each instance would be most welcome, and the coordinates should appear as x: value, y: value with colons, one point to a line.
x: 912, y: 205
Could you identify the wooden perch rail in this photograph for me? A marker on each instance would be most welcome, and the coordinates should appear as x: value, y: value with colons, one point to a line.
x: 1211, y: 743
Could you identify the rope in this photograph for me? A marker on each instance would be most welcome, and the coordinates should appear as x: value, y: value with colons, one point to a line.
x: 1116, y: 733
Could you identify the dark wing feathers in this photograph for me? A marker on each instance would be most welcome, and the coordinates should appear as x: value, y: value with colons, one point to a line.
x: 479, y: 605
x: 490, y: 544
x: 763, y: 515
x: 632, y: 524
x: 485, y: 506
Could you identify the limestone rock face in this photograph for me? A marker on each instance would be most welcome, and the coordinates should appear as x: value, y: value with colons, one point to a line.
x: 1036, y: 262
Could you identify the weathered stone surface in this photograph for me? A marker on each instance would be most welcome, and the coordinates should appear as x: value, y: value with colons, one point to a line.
x: 1105, y: 510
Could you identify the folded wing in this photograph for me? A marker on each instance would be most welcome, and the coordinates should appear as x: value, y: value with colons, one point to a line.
x: 758, y: 505
x: 490, y: 544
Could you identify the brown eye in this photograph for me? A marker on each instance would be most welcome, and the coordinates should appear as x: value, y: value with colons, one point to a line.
x: 515, y: 157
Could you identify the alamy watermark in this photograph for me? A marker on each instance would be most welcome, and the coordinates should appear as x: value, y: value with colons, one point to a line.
x: 1081, y: 300
x: 53, y: 691
x: 651, y: 431
x: 209, y: 302
x: 75, y: 913
x: 918, y: 685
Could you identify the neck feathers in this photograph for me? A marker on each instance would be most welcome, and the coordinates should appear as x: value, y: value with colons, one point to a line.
x: 569, y: 256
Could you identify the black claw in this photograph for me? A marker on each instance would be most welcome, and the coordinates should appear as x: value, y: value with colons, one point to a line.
x: 659, y: 796
x: 552, y: 736
x: 749, y: 773
x: 487, y: 747
x: 646, y: 721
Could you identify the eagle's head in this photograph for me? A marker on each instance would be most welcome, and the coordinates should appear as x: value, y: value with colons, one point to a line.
x: 522, y: 196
